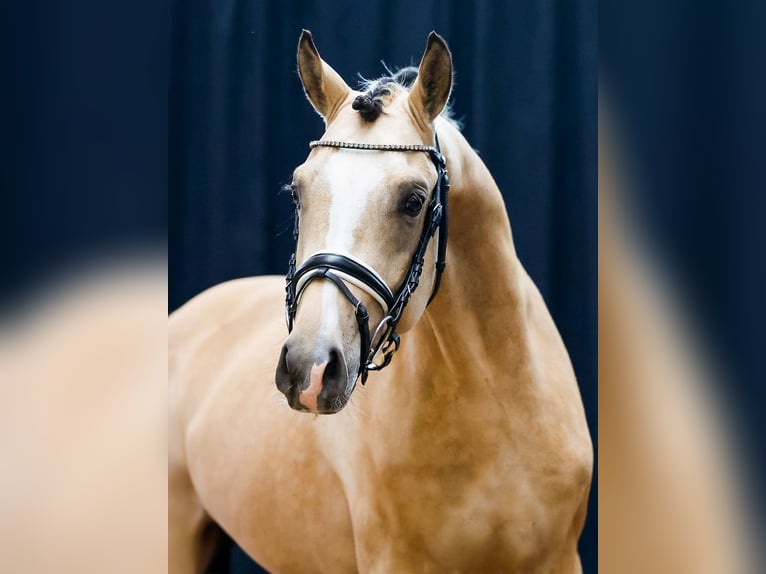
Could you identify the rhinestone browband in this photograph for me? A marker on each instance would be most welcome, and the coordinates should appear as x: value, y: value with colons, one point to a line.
x: 373, y: 147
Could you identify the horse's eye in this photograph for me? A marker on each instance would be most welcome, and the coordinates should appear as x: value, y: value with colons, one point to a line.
x: 413, y: 205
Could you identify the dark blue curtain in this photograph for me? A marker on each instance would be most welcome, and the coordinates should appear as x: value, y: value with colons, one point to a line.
x: 83, y: 132
x: 525, y: 91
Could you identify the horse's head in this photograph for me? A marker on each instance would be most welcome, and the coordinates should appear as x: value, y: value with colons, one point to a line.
x: 364, y: 211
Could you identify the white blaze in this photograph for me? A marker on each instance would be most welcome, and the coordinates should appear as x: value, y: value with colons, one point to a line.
x: 352, y: 175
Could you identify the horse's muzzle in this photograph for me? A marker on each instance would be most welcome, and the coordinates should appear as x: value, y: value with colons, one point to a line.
x: 313, y: 378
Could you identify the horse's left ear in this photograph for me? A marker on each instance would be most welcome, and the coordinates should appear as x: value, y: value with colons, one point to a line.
x: 431, y: 90
x: 324, y: 87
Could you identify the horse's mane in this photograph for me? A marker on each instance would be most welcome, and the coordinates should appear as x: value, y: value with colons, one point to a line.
x: 370, y: 102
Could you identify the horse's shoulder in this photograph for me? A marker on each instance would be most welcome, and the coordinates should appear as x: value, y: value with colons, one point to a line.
x: 224, y: 303
x: 231, y: 323
x: 227, y: 297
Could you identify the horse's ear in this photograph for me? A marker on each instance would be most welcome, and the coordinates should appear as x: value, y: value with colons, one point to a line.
x: 431, y: 90
x: 324, y: 88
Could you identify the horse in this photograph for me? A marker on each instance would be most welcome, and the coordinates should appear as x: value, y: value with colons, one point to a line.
x: 468, y: 452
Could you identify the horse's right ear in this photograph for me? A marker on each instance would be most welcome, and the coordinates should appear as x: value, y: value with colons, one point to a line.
x: 323, y: 86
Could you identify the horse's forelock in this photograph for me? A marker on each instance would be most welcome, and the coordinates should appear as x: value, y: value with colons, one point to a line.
x: 370, y: 103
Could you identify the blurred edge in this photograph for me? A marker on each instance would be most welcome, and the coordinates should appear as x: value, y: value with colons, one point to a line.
x: 83, y: 289
x: 673, y: 496
x: 82, y: 370
x: 83, y: 416
x: 682, y: 176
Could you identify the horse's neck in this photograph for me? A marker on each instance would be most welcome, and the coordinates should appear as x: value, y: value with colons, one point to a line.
x: 484, y: 285
x: 474, y: 337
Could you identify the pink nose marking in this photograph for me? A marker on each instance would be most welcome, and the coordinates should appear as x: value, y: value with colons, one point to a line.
x: 308, y: 398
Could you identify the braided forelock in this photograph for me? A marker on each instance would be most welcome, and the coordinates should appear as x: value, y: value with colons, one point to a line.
x: 370, y: 104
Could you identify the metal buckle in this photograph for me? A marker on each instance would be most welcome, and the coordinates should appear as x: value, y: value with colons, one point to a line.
x: 375, y: 341
x: 381, y: 342
x: 388, y: 349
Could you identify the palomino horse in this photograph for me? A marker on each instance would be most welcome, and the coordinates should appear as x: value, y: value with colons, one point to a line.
x: 468, y: 453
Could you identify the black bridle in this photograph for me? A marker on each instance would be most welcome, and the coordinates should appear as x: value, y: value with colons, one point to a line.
x: 342, y: 269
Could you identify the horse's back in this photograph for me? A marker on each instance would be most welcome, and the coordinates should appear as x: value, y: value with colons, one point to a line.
x: 253, y: 462
x: 259, y: 298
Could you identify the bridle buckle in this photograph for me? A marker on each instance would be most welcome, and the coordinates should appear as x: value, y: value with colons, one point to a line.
x: 389, y: 347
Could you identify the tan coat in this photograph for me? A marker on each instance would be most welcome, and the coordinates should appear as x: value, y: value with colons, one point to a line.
x: 469, y: 453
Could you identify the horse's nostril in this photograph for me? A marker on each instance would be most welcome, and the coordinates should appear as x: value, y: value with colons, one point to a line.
x: 335, y: 375
x: 283, y: 373
x: 332, y: 369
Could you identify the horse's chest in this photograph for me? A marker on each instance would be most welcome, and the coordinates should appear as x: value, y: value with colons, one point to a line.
x: 455, y: 517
